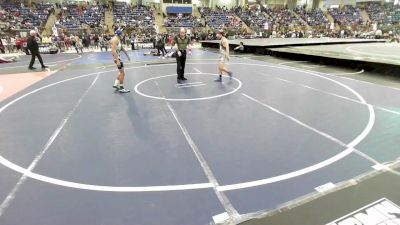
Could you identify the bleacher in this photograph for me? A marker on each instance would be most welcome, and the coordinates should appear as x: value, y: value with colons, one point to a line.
x: 254, y: 17
x: 395, y: 16
x: 133, y: 16
x: 279, y: 20
x: 177, y: 21
x: 376, y: 13
x: 312, y: 18
x: 215, y: 18
x: 283, y: 19
x: 383, y: 14
x: 348, y: 16
x: 20, y: 17
x: 70, y: 18
x: 73, y: 16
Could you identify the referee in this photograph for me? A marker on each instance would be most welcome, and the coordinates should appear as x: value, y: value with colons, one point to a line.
x: 181, y: 43
x: 34, y: 49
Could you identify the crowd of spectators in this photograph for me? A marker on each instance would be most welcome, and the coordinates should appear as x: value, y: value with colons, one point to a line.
x: 12, y: 44
x: 283, y: 19
x: 280, y: 22
x: 138, y: 16
x: 255, y: 17
x: 383, y: 14
x: 313, y: 17
x: 182, y: 20
x: 220, y: 17
x: 347, y: 16
x: 73, y: 16
x: 18, y: 16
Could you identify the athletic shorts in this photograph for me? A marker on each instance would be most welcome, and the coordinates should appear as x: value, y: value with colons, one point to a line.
x: 223, y: 60
x: 120, y: 67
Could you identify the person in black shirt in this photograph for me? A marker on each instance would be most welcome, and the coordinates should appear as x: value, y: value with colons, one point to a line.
x: 181, y: 43
x: 133, y: 42
x: 34, y: 49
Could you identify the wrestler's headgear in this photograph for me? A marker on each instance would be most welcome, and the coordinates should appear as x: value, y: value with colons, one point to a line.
x: 119, y: 31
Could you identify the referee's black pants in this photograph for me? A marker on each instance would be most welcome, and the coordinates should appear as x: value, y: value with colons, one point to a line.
x: 34, y: 55
x: 181, y: 61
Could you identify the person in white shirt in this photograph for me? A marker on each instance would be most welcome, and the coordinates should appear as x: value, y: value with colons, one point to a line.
x: 224, y: 56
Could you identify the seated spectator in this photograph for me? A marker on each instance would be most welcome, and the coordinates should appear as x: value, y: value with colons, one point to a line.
x: 220, y: 17
x: 312, y: 18
x: 239, y: 48
x: 347, y: 16
x: 179, y: 20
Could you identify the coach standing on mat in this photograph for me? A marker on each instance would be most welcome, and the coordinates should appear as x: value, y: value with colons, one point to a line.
x: 181, y: 43
x: 34, y: 49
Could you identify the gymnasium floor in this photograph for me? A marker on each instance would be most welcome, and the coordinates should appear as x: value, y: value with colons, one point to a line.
x: 72, y: 151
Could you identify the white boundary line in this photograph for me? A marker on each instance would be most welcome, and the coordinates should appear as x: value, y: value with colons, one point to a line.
x: 59, y: 182
x: 359, y: 72
x: 7, y: 201
x: 350, y: 49
x: 352, y: 79
x: 192, y: 85
x: 313, y: 67
x: 284, y: 63
x: 293, y: 174
x: 49, y: 63
x: 296, y: 121
x: 197, y: 70
x: 340, y: 96
x: 184, y: 99
x: 350, y: 147
x: 186, y: 84
x: 338, y: 74
x: 324, y: 163
x: 200, y: 158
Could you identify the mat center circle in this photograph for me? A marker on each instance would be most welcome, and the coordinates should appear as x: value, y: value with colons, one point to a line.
x: 198, y: 86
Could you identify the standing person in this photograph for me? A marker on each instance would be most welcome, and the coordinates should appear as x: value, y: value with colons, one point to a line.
x: 96, y: 41
x: 224, y: 55
x: 116, y: 48
x: 164, y: 40
x: 103, y: 44
x: 181, y: 43
x: 34, y: 49
x: 12, y: 44
x: 73, y: 42
x: 67, y: 41
x: 160, y: 47
x: 133, y: 42
x: 18, y: 43
x: 84, y: 41
x: 91, y: 41
x: 78, y: 44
